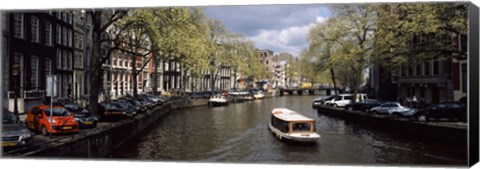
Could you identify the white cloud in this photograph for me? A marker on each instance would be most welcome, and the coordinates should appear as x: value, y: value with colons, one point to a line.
x: 291, y: 39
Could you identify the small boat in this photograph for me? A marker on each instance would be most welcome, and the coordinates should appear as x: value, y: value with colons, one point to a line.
x: 248, y: 97
x: 258, y: 95
x: 217, y: 100
x: 290, y: 125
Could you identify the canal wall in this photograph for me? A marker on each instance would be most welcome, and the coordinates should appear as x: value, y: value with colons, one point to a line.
x: 448, y: 134
x: 102, y: 141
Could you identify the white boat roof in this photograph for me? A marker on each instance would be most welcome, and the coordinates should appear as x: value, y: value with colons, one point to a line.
x: 289, y: 115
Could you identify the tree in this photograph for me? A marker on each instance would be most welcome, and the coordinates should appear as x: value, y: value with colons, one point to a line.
x: 322, y: 44
x: 351, y: 40
x: 102, y: 20
x: 217, y: 33
x: 417, y: 32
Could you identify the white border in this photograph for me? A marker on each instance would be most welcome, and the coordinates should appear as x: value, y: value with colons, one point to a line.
x: 124, y: 163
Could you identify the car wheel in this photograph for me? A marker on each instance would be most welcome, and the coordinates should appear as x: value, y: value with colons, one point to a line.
x: 375, y: 113
x: 44, y: 131
x: 335, y: 105
x: 397, y: 115
x: 422, y: 117
x: 350, y: 108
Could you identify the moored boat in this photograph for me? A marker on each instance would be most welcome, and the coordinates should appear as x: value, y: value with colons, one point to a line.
x: 290, y: 125
x: 218, y: 100
x: 258, y: 95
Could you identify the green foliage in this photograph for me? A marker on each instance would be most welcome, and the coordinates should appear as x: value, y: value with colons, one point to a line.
x: 416, y: 32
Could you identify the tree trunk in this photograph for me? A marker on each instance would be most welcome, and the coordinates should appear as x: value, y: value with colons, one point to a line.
x: 235, y: 80
x: 96, y: 72
x: 333, y: 81
x: 155, y: 73
x: 134, y: 75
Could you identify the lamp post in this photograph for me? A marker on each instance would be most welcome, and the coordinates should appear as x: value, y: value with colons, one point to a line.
x: 15, y: 73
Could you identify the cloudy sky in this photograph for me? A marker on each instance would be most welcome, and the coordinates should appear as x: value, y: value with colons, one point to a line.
x: 280, y: 28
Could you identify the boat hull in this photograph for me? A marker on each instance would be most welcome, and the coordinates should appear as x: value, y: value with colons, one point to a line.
x: 301, y: 138
x: 217, y: 103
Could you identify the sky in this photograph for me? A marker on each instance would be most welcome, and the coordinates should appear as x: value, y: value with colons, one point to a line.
x: 279, y: 28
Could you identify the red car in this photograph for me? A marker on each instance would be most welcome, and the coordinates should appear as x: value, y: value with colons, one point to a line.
x: 38, y: 119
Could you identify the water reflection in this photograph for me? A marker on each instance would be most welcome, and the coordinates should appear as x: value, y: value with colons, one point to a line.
x: 238, y: 133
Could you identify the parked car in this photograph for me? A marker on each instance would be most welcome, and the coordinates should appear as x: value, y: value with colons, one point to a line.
x: 321, y: 100
x: 449, y: 110
x: 84, y: 118
x: 146, y: 102
x: 129, y: 108
x: 138, y: 106
x: 14, y: 132
x: 112, y: 111
x: 156, y: 99
x: 394, y: 109
x: 342, y: 100
x: 363, y: 105
x: 38, y: 119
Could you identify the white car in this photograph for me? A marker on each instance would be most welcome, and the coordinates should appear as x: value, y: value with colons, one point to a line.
x: 342, y: 100
x: 393, y: 108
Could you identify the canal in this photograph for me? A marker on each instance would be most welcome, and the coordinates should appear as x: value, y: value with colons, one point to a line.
x: 238, y: 133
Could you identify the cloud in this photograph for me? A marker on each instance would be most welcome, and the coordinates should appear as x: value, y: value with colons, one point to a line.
x: 280, y: 28
x: 291, y: 39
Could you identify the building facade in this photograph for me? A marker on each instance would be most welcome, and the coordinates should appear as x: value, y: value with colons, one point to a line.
x: 266, y: 57
x: 39, y: 44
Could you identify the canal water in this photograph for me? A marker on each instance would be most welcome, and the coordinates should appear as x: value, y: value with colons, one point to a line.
x: 238, y: 133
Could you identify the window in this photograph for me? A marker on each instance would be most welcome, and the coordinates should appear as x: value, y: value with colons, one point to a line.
x: 59, y: 59
x: 301, y: 127
x: 5, y: 60
x: 35, y: 29
x: 410, y: 70
x: 59, y: 15
x: 69, y: 61
x: 69, y: 18
x: 464, y: 77
x: 64, y: 60
x: 64, y: 36
x: 418, y: 70
x: 58, y: 38
x: 426, y: 68
x: 80, y: 60
x: 34, y: 72
x: 4, y: 21
x: 18, y: 60
x: 48, y: 33
x: 64, y: 16
x: 18, y: 25
x: 436, y: 67
x: 48, y: 66
x: 463, y: 43
x: 78, y: 41
x: 70, y: 38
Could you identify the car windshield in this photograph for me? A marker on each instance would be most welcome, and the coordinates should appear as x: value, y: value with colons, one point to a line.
x: 119, y: 105
x: 134, y: 102
x: 9, y: 118
x: 57, y: 111
x: 72, y: 106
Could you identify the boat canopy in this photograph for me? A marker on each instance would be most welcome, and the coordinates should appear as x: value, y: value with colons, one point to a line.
x: 289, y: 115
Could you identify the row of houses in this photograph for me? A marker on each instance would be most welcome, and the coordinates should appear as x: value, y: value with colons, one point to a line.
x: 37, y: 45
x: 437, y: 80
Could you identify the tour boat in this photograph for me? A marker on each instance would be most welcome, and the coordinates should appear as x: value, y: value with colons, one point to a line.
x: 290, y: 125
x: 258, y: 95
x: 217, y: 100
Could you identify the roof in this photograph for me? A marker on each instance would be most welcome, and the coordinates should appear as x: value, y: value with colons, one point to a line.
x: 289, y: 115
